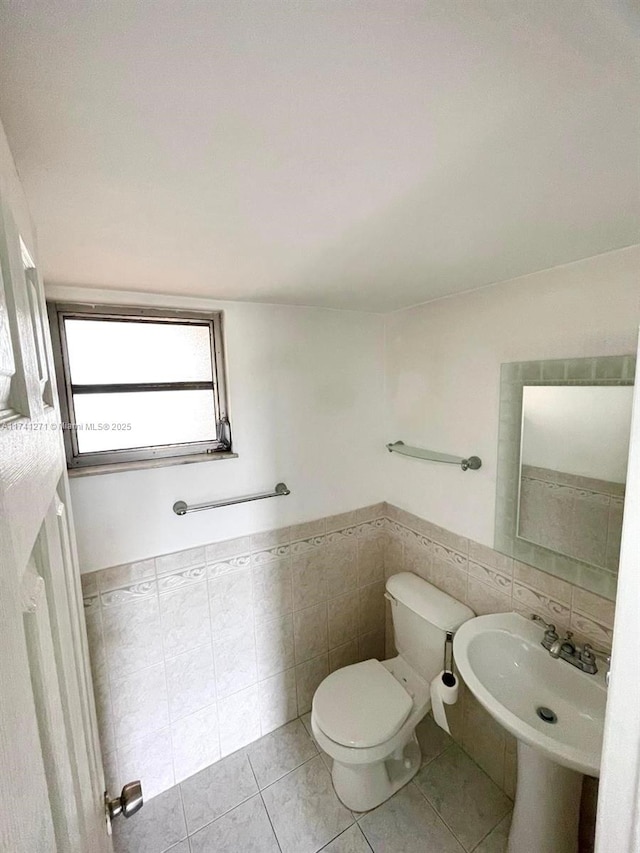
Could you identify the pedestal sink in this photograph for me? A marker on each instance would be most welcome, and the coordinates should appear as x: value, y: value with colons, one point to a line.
x: 554, y: 710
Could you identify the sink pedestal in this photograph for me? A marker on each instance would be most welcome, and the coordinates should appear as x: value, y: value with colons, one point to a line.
x: 547, y: 807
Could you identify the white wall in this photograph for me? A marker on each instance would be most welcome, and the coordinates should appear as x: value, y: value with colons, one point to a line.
x: 442, y: 368
x: 577, y: 430
x: 306, y: 405
x: 11, y: 190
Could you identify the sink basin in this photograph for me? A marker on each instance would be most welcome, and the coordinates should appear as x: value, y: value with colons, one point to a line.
x: 503, y: 664
x: 500, y: 658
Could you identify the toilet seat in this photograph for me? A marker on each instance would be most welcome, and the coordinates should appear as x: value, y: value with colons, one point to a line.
x: 361, y: 705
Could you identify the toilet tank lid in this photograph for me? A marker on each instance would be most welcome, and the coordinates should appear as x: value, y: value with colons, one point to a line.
x: 428, y: 602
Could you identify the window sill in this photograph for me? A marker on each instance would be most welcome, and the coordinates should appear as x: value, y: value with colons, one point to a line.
x: 141, y: 464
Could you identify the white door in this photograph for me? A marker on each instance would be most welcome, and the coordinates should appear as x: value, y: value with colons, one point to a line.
x: 51, y: 778
x: 618, y: 826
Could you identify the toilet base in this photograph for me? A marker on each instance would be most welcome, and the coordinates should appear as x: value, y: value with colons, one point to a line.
x: 362, y: 787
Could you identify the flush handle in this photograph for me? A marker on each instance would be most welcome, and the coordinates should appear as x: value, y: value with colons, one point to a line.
x: 128, y: 803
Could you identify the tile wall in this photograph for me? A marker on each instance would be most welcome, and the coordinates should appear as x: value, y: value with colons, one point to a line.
x: 489, y: 582
x: 577, y: 516
x: 197, y: 654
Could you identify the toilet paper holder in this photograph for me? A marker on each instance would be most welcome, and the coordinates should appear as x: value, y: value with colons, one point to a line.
x: 448, y: 677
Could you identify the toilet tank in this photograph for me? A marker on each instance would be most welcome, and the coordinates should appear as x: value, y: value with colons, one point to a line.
x: 422, y: 614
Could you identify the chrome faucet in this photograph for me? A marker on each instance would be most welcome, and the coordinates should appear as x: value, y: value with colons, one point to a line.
x: 582, y: 657
x: 564, y: 647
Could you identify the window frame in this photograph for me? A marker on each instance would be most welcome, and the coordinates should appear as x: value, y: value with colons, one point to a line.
x: 135, y: 457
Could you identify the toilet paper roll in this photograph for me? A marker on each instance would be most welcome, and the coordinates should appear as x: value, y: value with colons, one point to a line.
x: 444, y: 691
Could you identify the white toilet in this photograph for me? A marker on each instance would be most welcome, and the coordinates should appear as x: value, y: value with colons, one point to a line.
x: 364, y: 716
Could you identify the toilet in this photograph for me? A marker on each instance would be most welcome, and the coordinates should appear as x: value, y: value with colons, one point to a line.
x: 365, y: 715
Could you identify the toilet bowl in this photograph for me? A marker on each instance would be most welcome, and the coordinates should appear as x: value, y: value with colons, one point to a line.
x: 365, y: 715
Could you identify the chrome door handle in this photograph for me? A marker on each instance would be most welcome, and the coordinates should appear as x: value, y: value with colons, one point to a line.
x: 128, y: 803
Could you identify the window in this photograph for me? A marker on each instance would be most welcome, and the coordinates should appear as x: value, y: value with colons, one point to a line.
x: 139, y: 384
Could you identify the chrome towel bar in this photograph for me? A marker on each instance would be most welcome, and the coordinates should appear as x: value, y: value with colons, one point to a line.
x: 473, y: 462
x: 181, y: 508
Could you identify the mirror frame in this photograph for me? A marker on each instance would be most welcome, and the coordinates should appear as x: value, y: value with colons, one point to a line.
x: 606, y: 370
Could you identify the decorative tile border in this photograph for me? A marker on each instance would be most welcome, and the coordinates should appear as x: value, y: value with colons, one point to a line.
x: 499, y: 582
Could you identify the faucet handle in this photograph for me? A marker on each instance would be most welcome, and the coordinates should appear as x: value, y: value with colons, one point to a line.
x: 588, y: 652
x: 547, y: 625
x: 550, y: 632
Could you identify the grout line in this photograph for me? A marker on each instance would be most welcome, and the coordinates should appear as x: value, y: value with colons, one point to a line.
x: 184, y: 814
x: 273, y: 829
x: 484, y: 838
x: 289, y: 772
x: 264, y: 805
x: 437, y: 812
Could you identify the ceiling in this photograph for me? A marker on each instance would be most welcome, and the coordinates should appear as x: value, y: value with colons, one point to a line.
x: 359, y: 154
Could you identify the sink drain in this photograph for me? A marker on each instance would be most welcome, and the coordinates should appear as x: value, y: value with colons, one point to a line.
x: 546, y: 715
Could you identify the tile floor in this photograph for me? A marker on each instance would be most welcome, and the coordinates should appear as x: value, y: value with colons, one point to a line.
x: 276, y: 796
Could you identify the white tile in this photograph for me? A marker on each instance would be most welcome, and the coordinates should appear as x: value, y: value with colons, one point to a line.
x: 239, y: 720
x: 191, y: 682
x: 140, y: 704
x: 270, y: 539
x: 196, y: 742
x: 278, y: 700
x: 370, y: 559
x: 341, y: 521
x: 274, y: 646
x: 483, y: 599
x: 593, y: 632
x: 246, y: 828
x: 350, y: 841
x: 484, y: 739
x: 498, y: 838
x: 342, y: 566
x: 235, y: 661
x: 553, y: 587
x: 595, y: 606
x: 158, y: 826
x: 371, y: 608
x: 132, y: 634
x: 184, y: 614
x: 169, y: 563
x: 407, y: 824
x: 372, y: 645
x: 232, y: 564
x: 272, y: 589
x: 217, y: 789
x: 488, y: 575
x: 308, y: 677
x: 344, y: 655
x: 310, y: 632
x: 149, y: 760
x: 432, y: 739
x: 126, y: 575
x: 180, y: 847
x: 463, y: 795
x: 343, y: 618
x: 231, y: 599
x: 488, y: 557
x: 309, y: 578
x: 280, y: 752
x: 534, y: 601
x: 304, y: 809
x: 227, y: 549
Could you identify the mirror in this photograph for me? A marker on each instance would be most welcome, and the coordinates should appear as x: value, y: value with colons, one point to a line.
x: 562, y: 460
x: 573, y: 467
